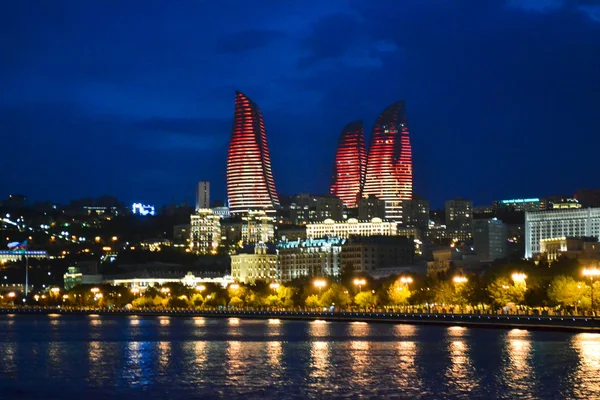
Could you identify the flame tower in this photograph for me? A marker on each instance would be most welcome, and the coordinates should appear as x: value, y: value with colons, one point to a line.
x: 350, y: 165
x: 250, y: 184
x: 389, y: 167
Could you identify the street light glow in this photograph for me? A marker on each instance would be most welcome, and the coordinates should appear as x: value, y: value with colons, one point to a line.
x: 55, y: 290
x: 274, y: 285
x: 460, y: 279
x: 94, y: 290
x: 591, y: 272
x: 320, y: 283
x: 406, y: 279
x: 360, y: 282
x: 519, y: 277
x: 200, y: 288
x: 234, y: 286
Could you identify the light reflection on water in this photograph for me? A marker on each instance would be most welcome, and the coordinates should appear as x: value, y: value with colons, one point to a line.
x: 206, y: 358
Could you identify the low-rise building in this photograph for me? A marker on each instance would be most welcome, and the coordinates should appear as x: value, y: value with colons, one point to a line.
x: 257, y: 227
x: 345, y: 229
x: 307, y: 258
x: 366, y: 254
x: 255, y: 262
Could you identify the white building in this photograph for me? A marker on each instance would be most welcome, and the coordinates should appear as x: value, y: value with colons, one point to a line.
x: 205, y: 232
x: 343, y: 229
x: 540, y: 225
x: 257, y: 227
x: 258, y: 265
x: 203, y: 195
x: 307, y: 258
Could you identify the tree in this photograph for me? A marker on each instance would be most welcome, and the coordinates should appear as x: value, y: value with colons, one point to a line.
x: 336, y: 295
x: 502, y: 291
x: 566, y: 291
x: 236, y: 302
x: 398, y: 293
x: 313, y: 301
x: 365, y: 299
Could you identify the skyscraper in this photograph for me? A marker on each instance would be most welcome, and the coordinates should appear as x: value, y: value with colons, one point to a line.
x: 389, y: 165
x: 203, y: 195
x: 250, y: 184
x: 350, y: 165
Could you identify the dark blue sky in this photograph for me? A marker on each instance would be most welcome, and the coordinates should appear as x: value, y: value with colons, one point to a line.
x: 135, y: 98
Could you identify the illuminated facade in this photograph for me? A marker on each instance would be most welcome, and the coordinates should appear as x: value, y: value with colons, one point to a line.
x: 250, y: 184
x: 260, y: 264
x: 257, y: 227
x: 343, y: 229
x: 308, y: 258
x: 205, y: 232
x: 540, y: 225
x: 350, y: 165
x: 389, y: 165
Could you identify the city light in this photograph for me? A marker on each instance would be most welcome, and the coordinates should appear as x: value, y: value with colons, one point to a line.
x: 591, y: 272
x: 359, y: 282
x: 165, y: 290
x: 200, y: 288
x: 12, y: 295
x: 94, y: 290
x: 274, y: 286
x: 406, y: 279
x: 55, y: 290
x: 320, y: 283
x: 135, y: 290
x: 459, y: 279
x: 519, y: 277
x: 234, y: 286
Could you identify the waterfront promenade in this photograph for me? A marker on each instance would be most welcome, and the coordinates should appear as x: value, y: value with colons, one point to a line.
x: 566, y: 323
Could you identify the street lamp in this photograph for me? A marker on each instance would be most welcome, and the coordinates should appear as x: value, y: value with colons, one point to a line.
x: 406, y: 280
x: 459, y: 279
x: 519, y: 277
x: 135, y: 290
x: 94, y: 290
x: 55, y: 290
x: 320, y: 283
x: 274, y: 286
x: 359, y: 282
x: 234, y: 286
x: 592, y: 273
x: 200, y: 288
x: 165, y: 290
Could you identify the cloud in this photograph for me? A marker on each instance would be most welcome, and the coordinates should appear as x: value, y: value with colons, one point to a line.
x: 247, y: 40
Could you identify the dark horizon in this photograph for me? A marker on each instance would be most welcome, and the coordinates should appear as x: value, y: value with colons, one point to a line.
x: 138, y: 103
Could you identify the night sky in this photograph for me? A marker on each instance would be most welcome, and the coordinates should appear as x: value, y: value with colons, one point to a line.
x: 135, y: 98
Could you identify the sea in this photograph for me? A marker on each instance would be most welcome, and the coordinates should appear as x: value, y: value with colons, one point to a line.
x: 128, y: 357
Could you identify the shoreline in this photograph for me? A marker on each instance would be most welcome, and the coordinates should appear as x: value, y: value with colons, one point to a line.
x: 530, y: 322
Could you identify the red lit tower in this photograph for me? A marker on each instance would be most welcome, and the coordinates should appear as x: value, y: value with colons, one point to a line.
x: 350, y: 165
x: 389, y: 167
x: 250, y: 184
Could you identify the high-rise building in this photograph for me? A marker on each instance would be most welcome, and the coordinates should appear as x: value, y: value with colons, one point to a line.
x: 415, y: 213
x: 389, y: 163
x: 371, y: 207
x: 205, y: 232
x: 459, y: 214
x: 350, y: 165
x: 250, y: 184
x: 577, y: 222
x: 489, y: 239
x: 203, y: 195
x: 531, y: 204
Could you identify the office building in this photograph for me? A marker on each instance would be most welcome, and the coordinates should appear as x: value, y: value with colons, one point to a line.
x: 309, y: 258
x: 371, y: 207
x: 415, y: 213
x: 345, y: 229
x: 489, y: 239
x: 205, y: 232
x: 540, y: 225
x: 305, y: 208
x: 256, y: 262
x: 366, y: 254
x: 203, y: 195
x: 389, y: 163
x: 250, y: 184
x: 350, y: 165
x: 530, y: 204
x: 459, y: 214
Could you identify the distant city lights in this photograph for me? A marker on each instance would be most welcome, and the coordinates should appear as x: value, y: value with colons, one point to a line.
x: 142, y: 209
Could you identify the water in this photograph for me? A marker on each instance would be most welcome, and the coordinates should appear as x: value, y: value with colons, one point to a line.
x: 101, y: 357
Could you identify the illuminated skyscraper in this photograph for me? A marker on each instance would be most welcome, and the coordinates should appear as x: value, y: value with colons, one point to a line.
x: 389, y: 166
x: 350, y: 165
x: 250, y: 184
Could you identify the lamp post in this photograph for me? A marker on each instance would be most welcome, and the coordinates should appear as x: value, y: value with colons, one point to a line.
x: 320, y: 283
x: 592, y: 273
x: 459, y: 279
x: 274, y: 286
x: 359, y: 282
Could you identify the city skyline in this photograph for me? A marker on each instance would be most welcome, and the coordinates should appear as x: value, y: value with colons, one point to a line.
x: 141, y: 109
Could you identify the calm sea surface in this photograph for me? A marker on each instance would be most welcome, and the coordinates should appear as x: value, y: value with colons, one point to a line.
x: 101, y: 357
